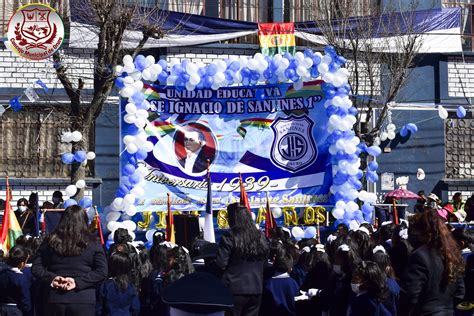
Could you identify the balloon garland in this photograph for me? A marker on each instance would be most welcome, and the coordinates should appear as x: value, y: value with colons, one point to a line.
x: 344, y: 146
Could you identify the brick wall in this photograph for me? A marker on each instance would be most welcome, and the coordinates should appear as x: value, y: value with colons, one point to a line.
x: 461, y: 76
x: 17, y: 72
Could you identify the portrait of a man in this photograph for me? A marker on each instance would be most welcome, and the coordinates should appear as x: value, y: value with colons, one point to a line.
x: 196, y: 151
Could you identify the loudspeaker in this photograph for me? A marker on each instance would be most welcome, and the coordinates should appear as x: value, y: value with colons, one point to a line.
x: 186, y: 229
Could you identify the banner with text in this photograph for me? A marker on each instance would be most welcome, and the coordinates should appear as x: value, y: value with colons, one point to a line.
x: 273, y: 135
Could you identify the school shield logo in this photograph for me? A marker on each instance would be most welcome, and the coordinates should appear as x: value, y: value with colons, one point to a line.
x: 293, y: 147
x: 35, y: 26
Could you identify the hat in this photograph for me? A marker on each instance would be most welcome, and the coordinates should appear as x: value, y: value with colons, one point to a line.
x: 208, y: 250
x: 433, y: 197
x: 198, y: 293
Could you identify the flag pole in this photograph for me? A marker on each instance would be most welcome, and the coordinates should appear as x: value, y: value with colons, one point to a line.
x: 99, y: 225
x: 209, y: 234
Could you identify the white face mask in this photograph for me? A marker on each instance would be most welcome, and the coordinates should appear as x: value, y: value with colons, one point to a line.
x: 337, y: 269
x: 356, y: 287
x: 22, y: 208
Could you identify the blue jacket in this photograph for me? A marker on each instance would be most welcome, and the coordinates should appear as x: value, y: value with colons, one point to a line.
x: 279, y: 296
x: 113, y: 301
x: 15, y: 289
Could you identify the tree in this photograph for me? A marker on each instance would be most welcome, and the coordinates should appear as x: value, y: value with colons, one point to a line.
x: 378, y: 66
x: 109, y: 19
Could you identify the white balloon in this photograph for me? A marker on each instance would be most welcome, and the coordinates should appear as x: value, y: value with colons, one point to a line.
x: 307, y: 62
x: 76, y: 136
x: 298, y: 85
x: 149, y: 234
x: 66, y: 137
x: 277, y: 212
x: 127, y: 92
x: 140, y: 122
x: 118, y: 202
x: 127, y: 60
x: 420, y: 174
x: 142, y: 114
x: 352, y: 206
x: 132, y: 148
x: 353, y: 225
x: 137, y: 191
x: 136, y: 75
x: 131, y: 210
x: 383, y: 136
x: 129, y: 225
x: 130, y: 118
x: 146, y: 74
x: 221, y: 66
x: 338, y: 213
x: 128, y: 139
x: 340, y: 204
x: 443, y: 114
x: 118, y: 69
x: 297, y: 232
x: 131, y: 108
x: 142, y: 171
x: 80, y: 184
x: 90, y: 155
x: 112, y: 216
x: 194, y: 79
x: 219, y: 77
x: 71, y: 190
x: 148, y: 146
x: 391, y: 135
x: 301, y: 70
x: 326, y: 59
x: 149, y: 60
x: 112, y: 226
x: 323, y: 68
x: 258, y: 56
x: 391, y: 127
x: 129, y: 199
x: 156, y: 68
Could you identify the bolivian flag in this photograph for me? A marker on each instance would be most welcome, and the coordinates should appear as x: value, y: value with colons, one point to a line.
x: 11, y: 229
x: 276, y: 38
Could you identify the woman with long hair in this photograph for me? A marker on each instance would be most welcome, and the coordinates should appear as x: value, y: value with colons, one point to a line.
x: 71, y: 263
x: 433, y: 280
x: 241, y: 256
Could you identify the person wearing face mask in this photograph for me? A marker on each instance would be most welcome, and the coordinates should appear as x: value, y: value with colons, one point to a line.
x: 371, y: 295
x: 25, y: 216
x: 58, y: 199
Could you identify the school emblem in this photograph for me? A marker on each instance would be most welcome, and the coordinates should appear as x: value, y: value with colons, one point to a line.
x: 35, y: 31
x: 293, y: 147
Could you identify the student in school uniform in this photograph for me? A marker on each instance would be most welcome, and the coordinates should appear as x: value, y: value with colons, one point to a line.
x: 279, y: 291
x: 117, y: 295
x: 369, y: 287
x: 15, y: 299
x: 72, y: 263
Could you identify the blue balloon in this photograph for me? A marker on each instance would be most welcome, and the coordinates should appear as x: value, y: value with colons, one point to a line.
x: 132, y: 129
x: 289, y: 73
x: 163, y: 76
x: 404, y: 131
x: 372, y: 176
x: 123, y: 189
x: 119, y: 83
x: 254, y: 75
x: 69, y: 202
x: 138, y: 97
x: 373, y: 165
x: 229, y: 75
x: 234, y: 66
x: 293, y: 64
x: 359, y: 174
x: 356, y: 184
x: 273, y: 66
x: 184, y: 76
x: 177, y: 69
x: 245, y: 72
x: 367, y: 208
x: 85, y: 202
x: 211, y: 69
x: 201, y: 72
x: 163, y: 63
x: 308, y: 53
x: 273, y: 79
x: 412, y: 128
x: 316, y: 60
x: 374, y: 150
x: 141, y: 154
x: 109, y: 244
x: 268, y: 74
x: 340, y: 177
x: 149, y: 244
x: 314, y: 72
x: 208, y: 81
x: 333, y: 67
x: 134, y: 179
x: 67, y: 158
x: 140, y: 62
x: 128, y: 169
x: 353, y: 111
x: 330, y: 94
x: 330, y: 50
x: 80, y: 156
x: 461, y: 112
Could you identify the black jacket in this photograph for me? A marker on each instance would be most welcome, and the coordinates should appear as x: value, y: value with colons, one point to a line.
x: 200, y: 164
x: 242, y: 276
x: 88, y: 270
x: 421, y: 290
x: 26, y: 220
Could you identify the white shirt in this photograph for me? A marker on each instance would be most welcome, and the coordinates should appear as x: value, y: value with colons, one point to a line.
x: 190, y: 160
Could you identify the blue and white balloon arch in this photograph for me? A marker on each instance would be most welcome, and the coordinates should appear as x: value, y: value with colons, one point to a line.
x: 344, y: 146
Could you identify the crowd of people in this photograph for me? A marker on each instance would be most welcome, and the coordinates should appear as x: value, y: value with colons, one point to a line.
x: 420, y: 267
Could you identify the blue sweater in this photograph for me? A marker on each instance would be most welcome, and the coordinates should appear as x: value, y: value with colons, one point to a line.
x: 366, y: 304
x: 15, y: 289
x: 279, y: 296
x: 113, y: 301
